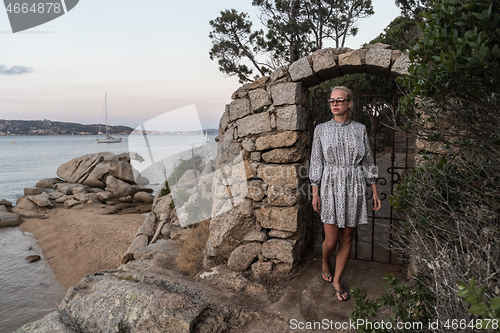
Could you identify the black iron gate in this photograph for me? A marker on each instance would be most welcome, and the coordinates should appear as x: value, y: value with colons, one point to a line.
x: 375, y: 106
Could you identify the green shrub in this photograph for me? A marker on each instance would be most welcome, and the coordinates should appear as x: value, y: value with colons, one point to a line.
x: 165, y: 189
x: 406, y: 305
x: 480, y: 304
x: 450, y: 203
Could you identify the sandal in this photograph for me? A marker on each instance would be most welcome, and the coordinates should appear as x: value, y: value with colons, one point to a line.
x: 328, y: 277
x: 348, y: 297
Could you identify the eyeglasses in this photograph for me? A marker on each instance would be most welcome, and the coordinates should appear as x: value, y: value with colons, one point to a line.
x: 339, y: 101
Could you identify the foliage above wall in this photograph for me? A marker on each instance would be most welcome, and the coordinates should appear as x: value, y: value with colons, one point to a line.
x: 294, y: 29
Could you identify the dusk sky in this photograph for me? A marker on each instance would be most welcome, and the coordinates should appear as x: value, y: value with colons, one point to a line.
x: 150, y: 57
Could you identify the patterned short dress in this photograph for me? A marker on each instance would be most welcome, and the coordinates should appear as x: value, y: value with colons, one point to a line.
x: 342, y: 166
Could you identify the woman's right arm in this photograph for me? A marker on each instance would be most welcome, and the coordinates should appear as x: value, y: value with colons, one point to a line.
x: 316, y: 169
x: 316, y: 201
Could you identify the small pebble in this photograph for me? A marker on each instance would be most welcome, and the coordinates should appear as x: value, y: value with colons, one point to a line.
x: 33, y: 258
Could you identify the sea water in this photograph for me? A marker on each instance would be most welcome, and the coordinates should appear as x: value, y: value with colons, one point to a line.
x: 28, y: 292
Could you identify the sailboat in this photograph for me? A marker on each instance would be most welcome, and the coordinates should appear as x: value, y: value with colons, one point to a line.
x: 109, y: 138
x: 206, y: 139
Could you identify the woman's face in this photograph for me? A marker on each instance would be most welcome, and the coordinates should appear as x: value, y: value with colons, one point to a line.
x: 338, y: 108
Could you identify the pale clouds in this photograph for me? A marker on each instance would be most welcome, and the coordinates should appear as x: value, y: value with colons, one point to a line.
x: 15, y: 70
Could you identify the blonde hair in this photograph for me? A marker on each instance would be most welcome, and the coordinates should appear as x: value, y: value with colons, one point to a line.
x: 349, y: 95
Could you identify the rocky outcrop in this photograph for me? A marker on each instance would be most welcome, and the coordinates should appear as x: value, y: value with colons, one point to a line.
x: 173, y: 212
x: 93, y: 169
x: 264, y: 137
x: 149, y: 295
x: 150, y: 230
x: 85, y: 176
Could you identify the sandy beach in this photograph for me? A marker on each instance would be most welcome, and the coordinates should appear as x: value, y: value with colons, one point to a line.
x: 83, y: 240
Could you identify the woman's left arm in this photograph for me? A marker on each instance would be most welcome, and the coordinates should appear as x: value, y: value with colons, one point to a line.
x: 370, y: 171
x: 376, y: 199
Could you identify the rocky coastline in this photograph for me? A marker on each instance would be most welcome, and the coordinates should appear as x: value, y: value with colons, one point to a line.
x: 147, y: 292
x: 103, y: 178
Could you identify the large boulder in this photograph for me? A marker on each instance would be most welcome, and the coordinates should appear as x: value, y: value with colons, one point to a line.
x: 163, y: 205
x: 55, y: 195
x: 119, y: 188
x: 71, y: 203
x: 120, y: 168
x: 148, y: 227
x: 103, y: 303
x: 157, y: 249
x: 33, y: 191
x: 26, y: 207
x: 55, y: 322
x: 139, y: 242
x: 143, y: 197
x: 48, y: 182
x: 104, y: 196
x: 63, y: 198
x: 5, y: 203
x: 141, y: 180
x: 8, y: 219
x: 41, y: 200
x: 65, y: 188
x: 228, y: 230
x: 93, y: 169
x: 128, y: 199
x: 148, y: 296
x: 243, y: 256
x: 281, y: 249
x: 280, y: 218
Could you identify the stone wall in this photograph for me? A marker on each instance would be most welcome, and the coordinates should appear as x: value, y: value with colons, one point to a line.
x: 261, y: 211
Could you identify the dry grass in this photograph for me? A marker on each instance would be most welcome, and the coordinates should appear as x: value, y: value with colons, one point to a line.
x: 191, y: 247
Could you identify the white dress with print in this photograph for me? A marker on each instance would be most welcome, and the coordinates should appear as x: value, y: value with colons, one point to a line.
x: 342, y: 166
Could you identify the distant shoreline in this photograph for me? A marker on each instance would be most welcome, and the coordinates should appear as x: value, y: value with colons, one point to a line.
x: 210, y: 132
x: 52, y: 128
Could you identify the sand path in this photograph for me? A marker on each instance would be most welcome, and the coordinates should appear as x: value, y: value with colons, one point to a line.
x: 82, y: 240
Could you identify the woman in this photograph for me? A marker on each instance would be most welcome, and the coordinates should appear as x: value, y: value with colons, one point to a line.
x: 341, y: 165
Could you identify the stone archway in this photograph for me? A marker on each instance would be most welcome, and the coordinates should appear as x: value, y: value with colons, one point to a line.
x: 268, y: 227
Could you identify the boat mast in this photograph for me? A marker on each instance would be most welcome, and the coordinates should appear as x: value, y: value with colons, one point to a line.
x: 106, y: 113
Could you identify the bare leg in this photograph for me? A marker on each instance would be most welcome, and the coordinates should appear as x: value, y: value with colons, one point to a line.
x: 346, y: 237
x: 329, y: 247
